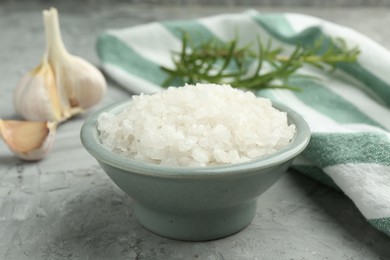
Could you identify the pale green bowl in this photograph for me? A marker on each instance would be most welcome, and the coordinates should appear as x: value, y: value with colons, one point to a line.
x: 194, y: 203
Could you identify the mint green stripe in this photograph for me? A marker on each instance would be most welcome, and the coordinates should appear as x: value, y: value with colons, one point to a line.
x: 325, y: 102
x: 382, y: 224
x: 329, y: 103
x: 112, y: 50
x: 278, y: 26
x: 198, y: 32
x: 266, y: 93
x: 327, y: 149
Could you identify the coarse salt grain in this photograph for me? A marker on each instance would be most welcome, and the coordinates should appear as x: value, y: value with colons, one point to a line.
x: 196, y: 125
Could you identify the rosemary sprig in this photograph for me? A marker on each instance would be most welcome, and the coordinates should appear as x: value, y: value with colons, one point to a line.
x: 243, y: 67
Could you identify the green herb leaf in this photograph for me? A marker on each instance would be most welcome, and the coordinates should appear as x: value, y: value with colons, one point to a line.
x: 242, y: 67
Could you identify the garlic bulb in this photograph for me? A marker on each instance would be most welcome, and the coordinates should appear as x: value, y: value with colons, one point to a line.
x: 62, y: 85
x: 80, y: 83
x: 28, y: 140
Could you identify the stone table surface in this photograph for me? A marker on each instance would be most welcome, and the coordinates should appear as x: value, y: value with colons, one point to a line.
x: 65, y: 207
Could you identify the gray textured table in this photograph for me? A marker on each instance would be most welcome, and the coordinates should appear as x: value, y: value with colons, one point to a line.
x: 65, y: 207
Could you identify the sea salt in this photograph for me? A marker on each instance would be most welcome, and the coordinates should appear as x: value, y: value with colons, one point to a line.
x: 196, y: 125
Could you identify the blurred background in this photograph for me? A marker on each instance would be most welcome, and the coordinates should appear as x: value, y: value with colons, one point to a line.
x: 22, y: 38
x: 297, y: 3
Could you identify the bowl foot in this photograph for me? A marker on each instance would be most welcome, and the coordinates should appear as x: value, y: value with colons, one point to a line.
x: 196, y: 225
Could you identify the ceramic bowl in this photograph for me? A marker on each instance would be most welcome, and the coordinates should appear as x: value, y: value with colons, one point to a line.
x: 194, y: 203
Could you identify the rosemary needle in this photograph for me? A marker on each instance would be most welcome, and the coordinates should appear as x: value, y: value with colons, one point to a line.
x: 227, y: 63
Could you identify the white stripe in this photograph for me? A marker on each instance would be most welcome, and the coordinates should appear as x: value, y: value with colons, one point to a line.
x: 366, y: 184
x: 131, y: 82
x: 152, y: 41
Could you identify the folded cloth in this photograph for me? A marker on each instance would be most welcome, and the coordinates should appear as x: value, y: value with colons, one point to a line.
x: 348, y: 110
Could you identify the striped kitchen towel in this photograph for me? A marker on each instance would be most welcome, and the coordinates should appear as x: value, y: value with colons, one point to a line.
x: 348, y: 111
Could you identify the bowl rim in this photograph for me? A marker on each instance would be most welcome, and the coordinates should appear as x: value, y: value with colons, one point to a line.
x: 90, y: 139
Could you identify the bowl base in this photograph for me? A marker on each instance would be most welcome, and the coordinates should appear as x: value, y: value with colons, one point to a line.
x: 196, y: 225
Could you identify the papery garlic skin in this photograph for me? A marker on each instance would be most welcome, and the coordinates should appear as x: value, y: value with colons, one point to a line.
x: 79, y: 83
x: 28, y: 140
x: 36, y: 97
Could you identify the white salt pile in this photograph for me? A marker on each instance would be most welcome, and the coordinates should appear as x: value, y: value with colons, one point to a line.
x: 196, y: 125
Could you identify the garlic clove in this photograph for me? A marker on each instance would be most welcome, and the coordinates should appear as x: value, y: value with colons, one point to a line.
x: 85, y: 86
x: 36, y: 97
x: 28, y: 140
x: 80, y: 84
